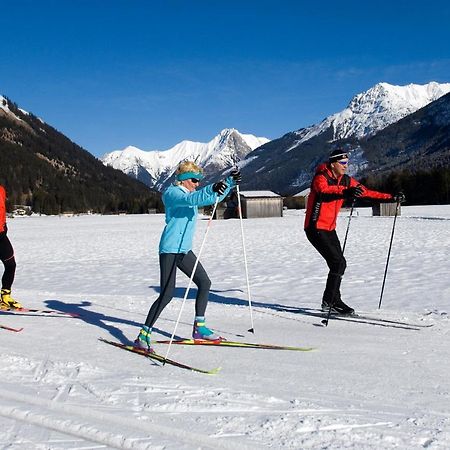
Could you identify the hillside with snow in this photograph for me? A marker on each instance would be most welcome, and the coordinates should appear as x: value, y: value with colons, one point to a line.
x: 287, y: 164
x: 154, y: 168
x: 375, y: 109
x: 6, y: 111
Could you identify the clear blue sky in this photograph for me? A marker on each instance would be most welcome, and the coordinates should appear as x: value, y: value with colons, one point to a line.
x: 150, y: 73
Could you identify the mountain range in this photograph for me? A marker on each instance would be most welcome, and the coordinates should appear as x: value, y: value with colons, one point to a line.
x: 286, y: 164
x: 155, y: 168
x: 396, y: 133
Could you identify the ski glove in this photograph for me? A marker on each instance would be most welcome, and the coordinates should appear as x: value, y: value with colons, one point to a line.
x: 399, y: 197
x: 353, y: 192
x: 219, y: 187
x: 236, y: 175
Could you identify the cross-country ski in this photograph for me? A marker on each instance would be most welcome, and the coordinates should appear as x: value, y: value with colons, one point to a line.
x: 160, y: 358
x: 234, y: 344
x: 39, y: 312
x: 16, y: 330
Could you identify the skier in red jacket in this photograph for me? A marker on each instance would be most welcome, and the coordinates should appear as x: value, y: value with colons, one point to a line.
x: 330, y: 187
x: 7, y: 258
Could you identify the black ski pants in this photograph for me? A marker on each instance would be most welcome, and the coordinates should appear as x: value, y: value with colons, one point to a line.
x: 168, y: 264
x: 8, y: 260
x: 328, y: 245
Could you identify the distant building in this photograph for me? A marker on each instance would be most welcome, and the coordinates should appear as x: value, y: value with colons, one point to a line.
x: 261, y: 204
x: 303, y: 193
x: 385, y: 209
x: 297, y: 201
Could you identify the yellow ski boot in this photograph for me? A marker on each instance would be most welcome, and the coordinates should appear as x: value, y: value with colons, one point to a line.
x: 7, y: 301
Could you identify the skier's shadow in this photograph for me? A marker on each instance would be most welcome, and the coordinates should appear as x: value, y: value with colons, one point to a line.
x: 82, y: 312
x: 216, y: 297
x: 271, y: 308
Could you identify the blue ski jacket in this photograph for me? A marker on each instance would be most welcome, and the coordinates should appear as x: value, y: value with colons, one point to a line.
x: 181, y: 215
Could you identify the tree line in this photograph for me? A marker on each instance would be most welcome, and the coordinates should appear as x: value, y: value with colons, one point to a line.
x: 420, y: 186
x: 43, y: 169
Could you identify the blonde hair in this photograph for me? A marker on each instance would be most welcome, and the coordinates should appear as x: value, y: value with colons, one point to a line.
x: 187, y: 166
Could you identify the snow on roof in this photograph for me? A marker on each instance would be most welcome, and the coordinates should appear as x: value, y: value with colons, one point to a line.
x: 258, y: 194
x: 303, y: 193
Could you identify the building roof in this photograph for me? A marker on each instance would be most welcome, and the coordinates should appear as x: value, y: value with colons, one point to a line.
x: 258, y: 194
x: 303, y: 193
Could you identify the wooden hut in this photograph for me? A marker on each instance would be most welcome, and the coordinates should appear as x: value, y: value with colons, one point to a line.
x: 385, y: 209
x: 261, y: 204
x: 297, y: 201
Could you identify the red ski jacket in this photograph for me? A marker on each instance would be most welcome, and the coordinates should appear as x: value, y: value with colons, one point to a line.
x: 2, y: 208
x: 326, y: 198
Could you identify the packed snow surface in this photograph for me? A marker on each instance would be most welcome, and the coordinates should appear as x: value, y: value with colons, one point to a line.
x: 367, y: 384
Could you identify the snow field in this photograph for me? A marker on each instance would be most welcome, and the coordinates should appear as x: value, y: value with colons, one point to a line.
x: 366, y: 385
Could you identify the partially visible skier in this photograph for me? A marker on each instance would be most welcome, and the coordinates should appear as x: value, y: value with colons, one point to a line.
x: 181, y: 201
x: 7, y: 258
x: 329, y: 188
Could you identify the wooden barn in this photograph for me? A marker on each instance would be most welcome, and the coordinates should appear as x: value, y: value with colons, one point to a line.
x: 297, y: 201
x: 261, y: 204
x: 385, y: 209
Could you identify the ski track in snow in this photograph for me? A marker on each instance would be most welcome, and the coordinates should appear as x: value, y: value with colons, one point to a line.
x: 365, y: 386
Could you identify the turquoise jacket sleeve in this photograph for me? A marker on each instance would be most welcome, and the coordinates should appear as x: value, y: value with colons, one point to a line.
x: 175, y: 197
x: 202, y: 197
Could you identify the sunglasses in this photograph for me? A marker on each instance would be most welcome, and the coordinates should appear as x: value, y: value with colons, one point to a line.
x: 343, y: 163
x: 194, y: 180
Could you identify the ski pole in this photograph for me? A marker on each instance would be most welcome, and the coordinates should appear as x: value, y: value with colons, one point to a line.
x: 325, y: 321
x: 389, y: 252
x: 251, y: 330
x: 348, y: 225
x: 191, y: 278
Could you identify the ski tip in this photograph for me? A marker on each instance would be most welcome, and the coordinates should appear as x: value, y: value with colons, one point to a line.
x: 214, y: 371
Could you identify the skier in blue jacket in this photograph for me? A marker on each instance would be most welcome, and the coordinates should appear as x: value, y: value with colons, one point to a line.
x: 181, y: 201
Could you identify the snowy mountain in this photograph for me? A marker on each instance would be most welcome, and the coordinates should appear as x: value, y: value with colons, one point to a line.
x: 286, y: 164
x: 375, y: 109
x: 420, y: 140
x: 155, y: 168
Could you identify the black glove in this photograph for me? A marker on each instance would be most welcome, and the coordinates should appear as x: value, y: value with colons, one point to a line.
x: 353, y: 192
x: 399, y: 197
x: 236, y: 175
x: 220, y: 187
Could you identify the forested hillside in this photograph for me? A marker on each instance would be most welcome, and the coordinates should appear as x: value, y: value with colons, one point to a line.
x: 42, y: 168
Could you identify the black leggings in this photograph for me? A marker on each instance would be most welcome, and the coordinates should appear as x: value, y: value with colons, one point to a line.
x: 328, y: 245
x: 168, y: 263
x: 8, y: 260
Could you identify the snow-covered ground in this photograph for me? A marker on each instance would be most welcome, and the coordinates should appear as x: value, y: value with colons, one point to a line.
x: 365, y: 386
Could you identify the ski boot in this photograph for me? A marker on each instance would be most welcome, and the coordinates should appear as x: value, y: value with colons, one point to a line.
x: 143, y: 341
x: 7, y: 301
x: 338, y: 307
x: 202, y: 332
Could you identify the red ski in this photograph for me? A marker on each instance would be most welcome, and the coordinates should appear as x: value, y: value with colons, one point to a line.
x: 159, y: 358
x: 16, y: 330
